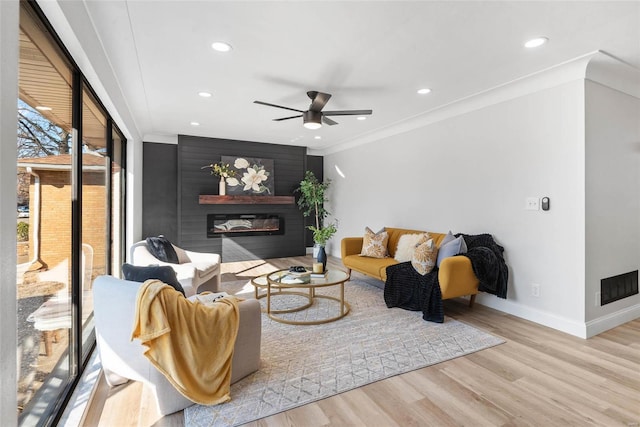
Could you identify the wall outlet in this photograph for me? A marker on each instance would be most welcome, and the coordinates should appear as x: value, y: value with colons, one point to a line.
x: 532, y: 203
x: 598, y: 299
x: 535, y: 290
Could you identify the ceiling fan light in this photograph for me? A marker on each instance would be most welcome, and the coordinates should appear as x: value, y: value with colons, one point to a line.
x: 312, y: 125
x: 312, y: 119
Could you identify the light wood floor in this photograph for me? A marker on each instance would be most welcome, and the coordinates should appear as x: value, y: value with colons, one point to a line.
x: 539, y: 377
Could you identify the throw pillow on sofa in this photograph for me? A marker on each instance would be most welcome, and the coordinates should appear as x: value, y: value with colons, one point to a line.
x: 161, y: 248
x: 451, y: 246
x: 407, y: 245
x: 424, y: 257
x: 374, y: 245
x: 164, y: 273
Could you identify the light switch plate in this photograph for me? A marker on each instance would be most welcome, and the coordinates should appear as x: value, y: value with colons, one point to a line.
x: 532, y: 204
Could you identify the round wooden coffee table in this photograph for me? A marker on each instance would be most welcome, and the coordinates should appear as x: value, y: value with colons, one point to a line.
x: 277, y: 284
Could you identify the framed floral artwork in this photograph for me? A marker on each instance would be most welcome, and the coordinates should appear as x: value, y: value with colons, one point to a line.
x: 251, y: 176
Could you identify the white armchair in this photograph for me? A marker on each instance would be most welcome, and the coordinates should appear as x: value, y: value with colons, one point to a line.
x: 196, y: 271
x: 123, y: 359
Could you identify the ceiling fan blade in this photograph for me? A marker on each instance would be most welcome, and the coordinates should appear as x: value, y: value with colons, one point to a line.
x: 319, y: 100
x: 277, y: 106
x: 328, y: 121
x: 347, y: 113
x: 287, y: 118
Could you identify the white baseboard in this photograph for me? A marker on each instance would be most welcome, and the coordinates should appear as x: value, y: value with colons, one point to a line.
x: 610, y: 321
x: 553, y: 321
x: 578, y: 329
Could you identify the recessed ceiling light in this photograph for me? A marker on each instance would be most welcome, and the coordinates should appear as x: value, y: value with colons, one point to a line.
x: 195, y: 124
x: 361, y: 118
x: 204, y: 94
x: 317, y: 137
x: 424, y: 91
x: 221, y: 46
x: 538, y: 41
x: 43, y: 108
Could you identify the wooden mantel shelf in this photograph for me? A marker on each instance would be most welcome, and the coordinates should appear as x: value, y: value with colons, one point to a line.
x: 206, y: 199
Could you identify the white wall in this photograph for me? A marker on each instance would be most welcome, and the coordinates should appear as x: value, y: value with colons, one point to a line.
x: 612, y: 196
x: 8, y: 128
x: 472, y: 173
x: 571, y: 133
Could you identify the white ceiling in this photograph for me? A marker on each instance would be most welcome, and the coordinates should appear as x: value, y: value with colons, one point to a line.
x: 367, y: 54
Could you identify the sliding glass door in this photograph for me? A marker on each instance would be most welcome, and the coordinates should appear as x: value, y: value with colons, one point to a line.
x: 45, y: 257
x: 69, y: 217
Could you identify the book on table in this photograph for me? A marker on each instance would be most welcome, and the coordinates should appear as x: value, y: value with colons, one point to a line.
x: 298, y: 273
x: 319, y: 275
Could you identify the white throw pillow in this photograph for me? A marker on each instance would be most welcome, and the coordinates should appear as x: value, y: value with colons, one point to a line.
x: 407, y: 245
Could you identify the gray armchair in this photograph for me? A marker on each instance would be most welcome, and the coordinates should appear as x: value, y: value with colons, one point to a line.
x: 196, y: 271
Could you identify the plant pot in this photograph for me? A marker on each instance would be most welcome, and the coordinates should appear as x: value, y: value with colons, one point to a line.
x: 322, y: 257
x: 316, y: 248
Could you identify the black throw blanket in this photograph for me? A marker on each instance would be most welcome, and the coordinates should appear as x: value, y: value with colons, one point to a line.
x: 406, y: 288
x: 487, y: 263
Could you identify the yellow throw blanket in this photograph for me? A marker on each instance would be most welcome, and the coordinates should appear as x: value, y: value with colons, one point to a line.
x: 190, y: 343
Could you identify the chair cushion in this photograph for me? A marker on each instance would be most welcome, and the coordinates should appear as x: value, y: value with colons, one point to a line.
x: 164, y: 273
x: 374, y: 267
x: 161, y: 248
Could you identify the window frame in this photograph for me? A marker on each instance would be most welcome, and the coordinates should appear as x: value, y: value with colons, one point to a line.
x: 79, y: 356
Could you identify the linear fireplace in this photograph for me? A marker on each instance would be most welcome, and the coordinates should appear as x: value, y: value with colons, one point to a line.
x: 228, y: 225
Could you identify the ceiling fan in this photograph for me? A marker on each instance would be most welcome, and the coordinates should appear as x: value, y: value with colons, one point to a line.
x: 314, y: 116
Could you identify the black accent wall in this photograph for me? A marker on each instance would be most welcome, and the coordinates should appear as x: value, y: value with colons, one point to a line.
x: 160, y: 190
x: 290, y: 162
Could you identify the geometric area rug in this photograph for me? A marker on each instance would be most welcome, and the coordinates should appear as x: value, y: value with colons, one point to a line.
x: 303, y: 364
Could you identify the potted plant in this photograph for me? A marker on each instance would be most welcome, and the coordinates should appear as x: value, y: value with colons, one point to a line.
x: 312, y: 202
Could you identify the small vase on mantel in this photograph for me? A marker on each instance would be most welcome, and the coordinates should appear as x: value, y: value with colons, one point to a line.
x: 222, y: 191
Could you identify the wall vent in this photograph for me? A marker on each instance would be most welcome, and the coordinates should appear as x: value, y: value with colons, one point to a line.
x: 618, y: 287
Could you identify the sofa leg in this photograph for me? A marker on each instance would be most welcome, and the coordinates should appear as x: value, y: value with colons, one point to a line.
x: 472, y: 300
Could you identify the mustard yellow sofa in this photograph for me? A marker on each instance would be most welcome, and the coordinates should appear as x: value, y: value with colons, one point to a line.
x: 455, y: 276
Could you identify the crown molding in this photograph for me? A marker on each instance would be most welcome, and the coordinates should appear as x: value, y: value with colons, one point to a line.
x: 614, y: 73
x: 160, y: 138
x: 597, y: 66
